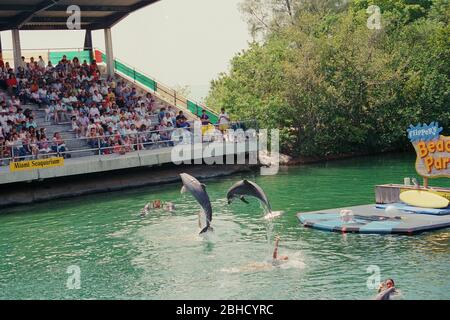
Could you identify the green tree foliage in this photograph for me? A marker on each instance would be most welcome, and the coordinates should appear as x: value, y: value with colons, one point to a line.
x: 333, y: 86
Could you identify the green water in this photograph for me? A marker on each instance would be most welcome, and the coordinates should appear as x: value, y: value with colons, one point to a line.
x: 161, y: 256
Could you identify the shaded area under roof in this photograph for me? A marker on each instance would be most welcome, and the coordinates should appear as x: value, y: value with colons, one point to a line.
x: 53, y: 15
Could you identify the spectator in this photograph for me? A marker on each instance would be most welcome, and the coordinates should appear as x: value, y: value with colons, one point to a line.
x: 204, y: 118
x: 224, y: 120
x: 58, y: 146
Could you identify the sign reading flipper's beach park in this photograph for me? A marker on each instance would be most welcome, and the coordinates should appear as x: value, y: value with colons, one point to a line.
x: 433, y: 150
x: 36, y: 164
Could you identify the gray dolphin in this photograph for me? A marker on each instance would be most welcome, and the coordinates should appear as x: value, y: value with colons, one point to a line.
x: 249, y: 188
x: 385, y: 294
x: 198, y: 190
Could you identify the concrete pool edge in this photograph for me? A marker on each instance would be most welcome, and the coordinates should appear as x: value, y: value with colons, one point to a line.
x: 59, y: 188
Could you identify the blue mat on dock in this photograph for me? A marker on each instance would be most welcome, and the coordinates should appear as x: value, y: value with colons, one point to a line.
x: 370, y: 220
x: 360, y: 224
x: 405, y: 207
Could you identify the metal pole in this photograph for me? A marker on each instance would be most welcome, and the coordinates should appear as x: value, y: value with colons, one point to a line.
x: 109, y: 52
x: 17, y: 52
x: 88, y: 44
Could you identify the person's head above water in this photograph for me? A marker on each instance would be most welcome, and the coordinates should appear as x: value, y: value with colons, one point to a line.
x: 390, y: 283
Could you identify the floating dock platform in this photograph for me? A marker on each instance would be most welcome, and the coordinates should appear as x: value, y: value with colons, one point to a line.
x: 369, y: 219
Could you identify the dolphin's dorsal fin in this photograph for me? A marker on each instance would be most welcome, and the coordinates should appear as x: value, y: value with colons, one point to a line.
x: 203, y: 186
x: 245, y: 181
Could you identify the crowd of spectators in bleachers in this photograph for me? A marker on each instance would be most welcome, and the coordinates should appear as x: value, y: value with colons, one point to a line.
x: 110, y: 114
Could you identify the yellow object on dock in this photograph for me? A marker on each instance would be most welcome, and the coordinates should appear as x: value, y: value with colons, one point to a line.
x: 424, y: 199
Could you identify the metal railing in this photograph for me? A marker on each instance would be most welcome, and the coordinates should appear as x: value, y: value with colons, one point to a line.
x: 100, y: 145
x: 173, y: 97
x: 7, y: 54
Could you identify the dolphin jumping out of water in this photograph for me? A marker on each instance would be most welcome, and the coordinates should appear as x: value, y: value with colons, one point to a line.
x: 249, y: 188
x: 198, y: 190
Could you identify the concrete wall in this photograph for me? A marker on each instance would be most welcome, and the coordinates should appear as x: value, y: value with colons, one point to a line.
x: 105, y: 163
x: 66, y: 187
x: 96, y: 164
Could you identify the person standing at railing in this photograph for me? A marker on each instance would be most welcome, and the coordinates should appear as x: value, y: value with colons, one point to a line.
x: 103, y: 142
x: 41, y: 63
x: 179, y: 119
x: 224, y: 120
x: 204, y: 118
x: 92, y: 138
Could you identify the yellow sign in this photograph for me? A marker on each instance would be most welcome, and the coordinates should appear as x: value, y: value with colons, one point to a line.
x: 36, y: 164
x: 433, y: 157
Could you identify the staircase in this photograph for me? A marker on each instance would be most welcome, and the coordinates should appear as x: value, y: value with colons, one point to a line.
x: 64, y: 128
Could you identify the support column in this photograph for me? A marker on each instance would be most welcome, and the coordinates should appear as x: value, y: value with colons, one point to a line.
x: 17, y: 52
x: 109, y: 52
x: 1, y: 49
x: 88, y: 44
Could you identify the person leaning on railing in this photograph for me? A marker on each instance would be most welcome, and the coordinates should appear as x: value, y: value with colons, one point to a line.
x: 92, y: 138
x: 224, y: 120
x: 204, y: 118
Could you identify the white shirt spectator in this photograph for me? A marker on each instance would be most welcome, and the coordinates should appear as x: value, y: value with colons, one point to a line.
x: 224, y: 118
x: 97, y: 97
x: 93, y: 112
x: 41, y: 63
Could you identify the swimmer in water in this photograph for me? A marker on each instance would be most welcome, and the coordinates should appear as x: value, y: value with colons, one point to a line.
x: 386, y: 290
x: 157, y: 204
x: 389, y: 283
x: 145, y: 210
x: 169, y: 206
x: 275, y: 256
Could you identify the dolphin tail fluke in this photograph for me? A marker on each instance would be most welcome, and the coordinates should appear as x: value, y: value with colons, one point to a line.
x: 206, y: 229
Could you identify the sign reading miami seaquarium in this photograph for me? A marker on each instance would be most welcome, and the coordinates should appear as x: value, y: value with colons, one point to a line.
x: 36, y: 164
x: 433, y: 150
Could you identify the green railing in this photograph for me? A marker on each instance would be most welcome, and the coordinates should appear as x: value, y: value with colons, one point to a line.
x: 147, y: 82
x: 197, y: 110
